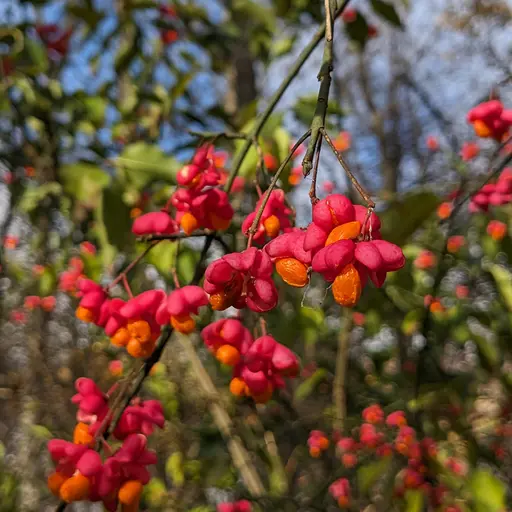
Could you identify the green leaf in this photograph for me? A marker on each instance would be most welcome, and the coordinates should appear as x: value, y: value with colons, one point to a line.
x: 37, y: 55
x: 368, y: 474
x: 503, y: 280
x: 488, y: 491
x: 47, y: 282
x: 116, y: 217
x: 186, y: 265
x: 84, y: 182
x: 404, y: 216
x: 282, y: 47
x: 403, y: 299
x: 181, y: 85
x: 307, y: 388
x: 174, y: 469
x: 414, y: 501
x: 144, y: 163
x: 282, y: 140
x: 90, y: 16
x: 41, y: 432
x: 386, y: 11
x: 95, y: 107
x: 32, y: 196
x: 487, y: 350
x: 163, y: 256
x: 155, y: 492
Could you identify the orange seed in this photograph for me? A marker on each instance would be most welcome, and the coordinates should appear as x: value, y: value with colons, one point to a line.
x: 346, y: 231
x: 75, y: 488
x: 293, y: 272
x: 346, y: 288
x: 227, y: 354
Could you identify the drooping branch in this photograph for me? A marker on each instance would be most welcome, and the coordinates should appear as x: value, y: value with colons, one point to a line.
x: 358, y: 187
x: 272, y: 185
x: 239, y: 454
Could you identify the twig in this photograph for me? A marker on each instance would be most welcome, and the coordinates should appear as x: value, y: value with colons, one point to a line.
x: 254, y: 226
x: 352, y: 178
x: 174, y: 236
x: 239, y: 454
x: 312, y: 189
x: 324, y: 76
x: 301, y: 59
x: 458, y: 205
x: 338, y: 392
x: 133, y: 264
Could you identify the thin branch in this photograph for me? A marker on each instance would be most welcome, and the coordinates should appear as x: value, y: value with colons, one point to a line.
x: 312, y: 189
x: 338, y: 391
x: 324, y: 76
x: 352, y: 178
x: 131, y: 265
x: 239, y: 454
x: 301, y: 59
x: 272, y: 185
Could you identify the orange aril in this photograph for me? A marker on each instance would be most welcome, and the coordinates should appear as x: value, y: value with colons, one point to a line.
x: 294, y: 179
x: 134, y: 348
x: 130, y: 492
x: 323, y: 443
x: 481, y: 129
x: 315, y: 452
x: 75, y: 488
x: 184, y: 324
x: 293, y: 272
x: 343, y: 501
x: 346, y: 231
x: 55, y: 481
x: 272, y: 226
x: 227, y: 354
x: 139, y: 330
x: 81, y: 434
x: 346, y: 288
x: 84, y: 314
x: 189, y: 223
x: 121, y: 337
x: 237, y: 387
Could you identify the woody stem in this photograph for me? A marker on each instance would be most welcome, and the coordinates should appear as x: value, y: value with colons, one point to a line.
x: 312, y: 190
x: 324, y: 76
x: 301, y: 59
x: 357, y: 185
x: 338, y: 391
x: 271, y: 187
x: 132, y: 265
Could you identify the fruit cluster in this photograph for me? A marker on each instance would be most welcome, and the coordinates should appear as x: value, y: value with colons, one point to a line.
x: 81, y: 474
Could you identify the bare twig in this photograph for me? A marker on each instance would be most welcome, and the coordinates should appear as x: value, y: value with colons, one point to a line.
x: 131, y: 266
x: 324, y: 76
x: 271, y: 187
x: 352, y: 178
x: 312, y: 189
x: 301, y: 59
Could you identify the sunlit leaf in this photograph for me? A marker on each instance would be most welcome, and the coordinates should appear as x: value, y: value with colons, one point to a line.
x: 488, y: 492
x: 368, y: 474
x: 404, y: 216
x: 503, y: 280
x: 84, y: 181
